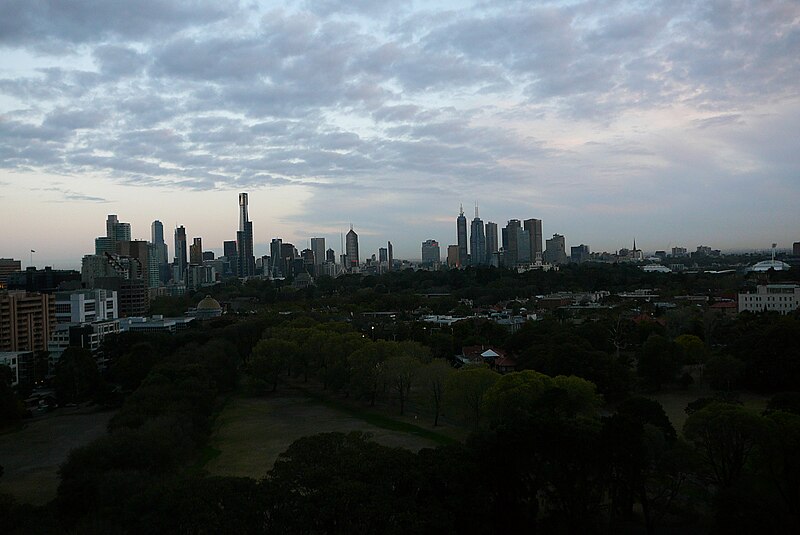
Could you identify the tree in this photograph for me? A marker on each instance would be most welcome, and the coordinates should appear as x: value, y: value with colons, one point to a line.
x: 659, y: 361
x: 269, y: 358
x: 466, y: 390
x: 725, y: 436
x: 723, y: 372
x: 76, y: 378
x: 400, y: 372
x: 434, y: 377
x: 351, y: 484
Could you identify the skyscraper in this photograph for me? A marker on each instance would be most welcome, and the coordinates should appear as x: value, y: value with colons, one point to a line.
x: 383, y: 255
x: 491, y: 242
x: 196, y: 252
x: 244, y: 241
x: 330, y: 256
x: 461, y: 231
x: 431, y: 254
x: 275, y: 257
x: 180, y: 263
x: 391, y: 255
x: 556, y: 251
x: 111, y: 220
x: 534, y: 228
x: 477, y: 241
x: 160, y: 250
x: 351, y: 247
x: 318, y: 247
x: 511, y: 242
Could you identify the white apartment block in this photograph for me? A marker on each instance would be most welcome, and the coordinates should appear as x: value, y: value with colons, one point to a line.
x: 783, y: 298
x: 86, y: 306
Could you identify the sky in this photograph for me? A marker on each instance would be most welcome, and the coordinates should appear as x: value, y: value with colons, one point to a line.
x: 672, y: 122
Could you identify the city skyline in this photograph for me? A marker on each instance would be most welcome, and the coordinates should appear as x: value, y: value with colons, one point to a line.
x: 674, y: 123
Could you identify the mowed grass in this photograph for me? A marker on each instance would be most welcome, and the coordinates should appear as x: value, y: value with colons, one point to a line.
x: 32, y: 455
x: 250, y: 433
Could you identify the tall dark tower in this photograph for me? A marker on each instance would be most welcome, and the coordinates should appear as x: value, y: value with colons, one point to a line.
x: 477, y: 241
x: 534, y: 228
x: 180, y: 264
x: 244, y: 241
x: 351, y: 246
x: 461, y: 229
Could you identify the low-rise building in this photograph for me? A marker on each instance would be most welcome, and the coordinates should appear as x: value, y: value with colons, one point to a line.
x: 21, y: 364
x: 783, y: 298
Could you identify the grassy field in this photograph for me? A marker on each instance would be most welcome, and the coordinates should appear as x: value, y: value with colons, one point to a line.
x: 31, y: 455
x: 675, y: 401
x: 251, y: 432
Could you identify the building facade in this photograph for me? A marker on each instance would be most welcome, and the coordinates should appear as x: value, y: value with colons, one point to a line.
x: 351, y: 248
x: 431, y: 254
x: 461, y: 234
x: 26, y: 320
x: 782, y: 298
x: 477, y: 241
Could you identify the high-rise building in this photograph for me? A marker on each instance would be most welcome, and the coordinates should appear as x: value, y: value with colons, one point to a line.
x: 452, y: 256
x: 104, y: 244
x: 111, y: 220
x: 579, y: 253
x: 491, y: 241
x: 383, y: 255
x: 461, y: 232
x: 330, y: 256
x: 244, y: 240
x: 7, y: 267
x: 796, y: 248
x: 160, y: 249
x: 511, y: 242
x: 534, y: 228
x: 431, y: 255
x: 139, y: 251
x: 318, y: 248
x: 26, y: 320
x: 523, y: 246
x: 391, y: 254
x: 477, y: 241
x: 122, y: 232
x: 181, y: 261
x: 351, y: 247
x: 196, y: 252
x: 555, y: 251
x: 275, y: 257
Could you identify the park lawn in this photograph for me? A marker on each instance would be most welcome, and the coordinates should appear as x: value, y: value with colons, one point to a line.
x: 251, y: 432
x: 675, y: 401
x: 32, y: 455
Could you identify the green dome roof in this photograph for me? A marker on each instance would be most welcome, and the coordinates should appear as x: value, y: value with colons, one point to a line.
x: 208, y: 303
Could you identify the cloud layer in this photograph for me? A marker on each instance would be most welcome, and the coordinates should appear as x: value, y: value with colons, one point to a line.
x: 566, y: 109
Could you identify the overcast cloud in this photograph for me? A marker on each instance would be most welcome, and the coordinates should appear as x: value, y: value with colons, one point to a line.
x: 666, y: 119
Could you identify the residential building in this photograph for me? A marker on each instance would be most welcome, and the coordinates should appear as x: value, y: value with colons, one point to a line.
x: 244, y: 240
x: 26, y: 320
